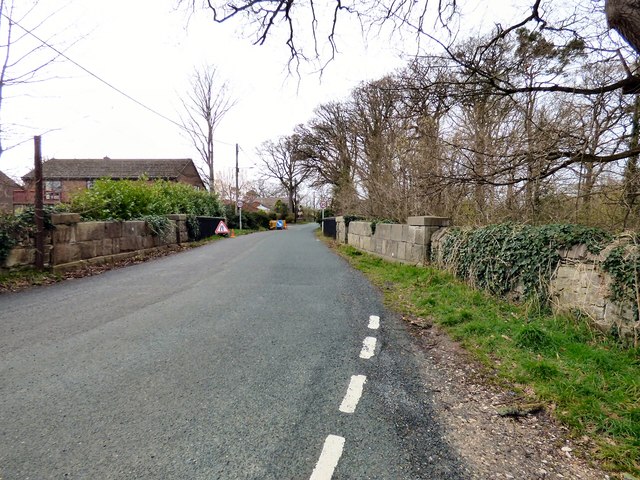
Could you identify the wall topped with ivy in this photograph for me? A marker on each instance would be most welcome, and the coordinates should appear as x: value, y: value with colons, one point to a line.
x: 566, y: 267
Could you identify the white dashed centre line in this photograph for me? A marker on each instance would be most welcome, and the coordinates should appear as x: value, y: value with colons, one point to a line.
x: 331, y: 453
x: 354, y: 392
x: 374, y: 322
x: 368, y: 347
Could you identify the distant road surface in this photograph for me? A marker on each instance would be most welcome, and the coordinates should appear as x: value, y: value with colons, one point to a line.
x: 260, y: 357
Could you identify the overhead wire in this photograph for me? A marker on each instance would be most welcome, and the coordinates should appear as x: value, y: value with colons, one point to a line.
x: 105, y: 82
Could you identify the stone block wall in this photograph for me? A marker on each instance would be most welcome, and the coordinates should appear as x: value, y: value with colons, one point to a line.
x: 72, y: 242
x: 578, y: 284
x: 406, y: 243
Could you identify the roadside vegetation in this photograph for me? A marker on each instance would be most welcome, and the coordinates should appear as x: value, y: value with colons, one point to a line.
x: 588, y: 381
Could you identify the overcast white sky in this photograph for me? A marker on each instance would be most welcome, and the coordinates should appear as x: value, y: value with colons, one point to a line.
x: 149, y: 49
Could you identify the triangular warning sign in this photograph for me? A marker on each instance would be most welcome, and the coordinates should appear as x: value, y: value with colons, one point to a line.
x: 222, y: 228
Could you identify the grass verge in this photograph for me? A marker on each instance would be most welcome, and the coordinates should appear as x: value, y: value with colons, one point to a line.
x: 588, y: 381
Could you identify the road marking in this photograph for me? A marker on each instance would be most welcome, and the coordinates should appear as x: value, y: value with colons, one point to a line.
x: 368, y: 347
x: 331, y: 453
x: 374, y: 322
x: 354, y: 392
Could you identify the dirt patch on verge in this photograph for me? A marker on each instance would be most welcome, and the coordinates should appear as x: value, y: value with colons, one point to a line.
x: 497, y: 433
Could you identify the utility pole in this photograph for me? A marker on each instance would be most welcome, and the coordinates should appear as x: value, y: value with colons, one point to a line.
x: 237, y: 172
x: 39, y: 202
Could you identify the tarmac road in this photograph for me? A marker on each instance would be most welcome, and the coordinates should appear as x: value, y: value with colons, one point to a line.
x: 242, y: 359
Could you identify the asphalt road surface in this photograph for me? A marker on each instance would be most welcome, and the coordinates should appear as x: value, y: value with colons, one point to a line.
x: 260, y: 357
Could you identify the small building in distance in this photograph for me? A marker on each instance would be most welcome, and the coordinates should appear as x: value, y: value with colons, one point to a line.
x: 63, y: 177
x: 7, y: 186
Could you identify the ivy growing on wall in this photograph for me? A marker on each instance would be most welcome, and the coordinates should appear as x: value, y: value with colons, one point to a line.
x: 504, y: 257
x: 16, y: 228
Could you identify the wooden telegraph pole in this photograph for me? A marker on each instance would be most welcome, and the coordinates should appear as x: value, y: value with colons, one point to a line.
x: 39, y: 203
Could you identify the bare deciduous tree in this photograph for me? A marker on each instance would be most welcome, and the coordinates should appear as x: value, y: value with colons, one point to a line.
x: 24, y: 55
x: 282, y: 162
x: 204, y: 108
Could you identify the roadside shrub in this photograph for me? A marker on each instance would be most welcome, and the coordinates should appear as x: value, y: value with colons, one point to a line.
x: 134, y: 199
x: 250, y: 220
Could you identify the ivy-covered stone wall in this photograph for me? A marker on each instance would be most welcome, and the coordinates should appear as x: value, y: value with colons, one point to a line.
x: 568, y: 267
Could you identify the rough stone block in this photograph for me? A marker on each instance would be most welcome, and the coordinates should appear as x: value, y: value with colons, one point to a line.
x: 65, y: 253
x: 89, y: 231
x: 112, y: 229
x: 65, y: 218
x: 134, y: 227
x: 107, y: 246
x: 20, y: 256
x: 178, y: 217
x: 64, y: 234
x: 89, y: 249
x: 130, y: 243
x: 428, y: 221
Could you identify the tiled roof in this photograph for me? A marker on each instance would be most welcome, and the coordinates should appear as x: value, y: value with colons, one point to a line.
x: 59, y: 168
x: 8, y: 181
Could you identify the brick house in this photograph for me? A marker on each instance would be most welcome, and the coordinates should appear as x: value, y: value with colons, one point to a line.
x: 7, y: 186
x: 63, y: 177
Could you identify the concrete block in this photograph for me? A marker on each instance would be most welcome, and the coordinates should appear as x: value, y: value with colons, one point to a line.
x: 383, y: 231
x: 65, y: 218
x: 360, y: 228
x: 402, y: 251
x: 428, y: 221
x: 391, y: 249
x: 366, y: 244
x: 415, y: 235
x: 397, y: 233
x: 415, y: 254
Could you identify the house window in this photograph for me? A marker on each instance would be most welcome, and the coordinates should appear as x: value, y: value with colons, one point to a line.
x: 53, y: 185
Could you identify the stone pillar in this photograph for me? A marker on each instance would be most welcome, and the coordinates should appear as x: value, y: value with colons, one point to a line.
x: 342, y: 230
x: 421, y: 229
x: 182, y: 236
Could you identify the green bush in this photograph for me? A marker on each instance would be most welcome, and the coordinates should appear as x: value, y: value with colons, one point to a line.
x: 131, y: 199
x: 250, y: 220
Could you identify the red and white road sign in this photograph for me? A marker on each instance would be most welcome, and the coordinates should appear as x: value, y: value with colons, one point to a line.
x: 222, y: 228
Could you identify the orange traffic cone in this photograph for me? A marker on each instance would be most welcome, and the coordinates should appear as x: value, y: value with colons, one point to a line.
x: 233, y: 234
